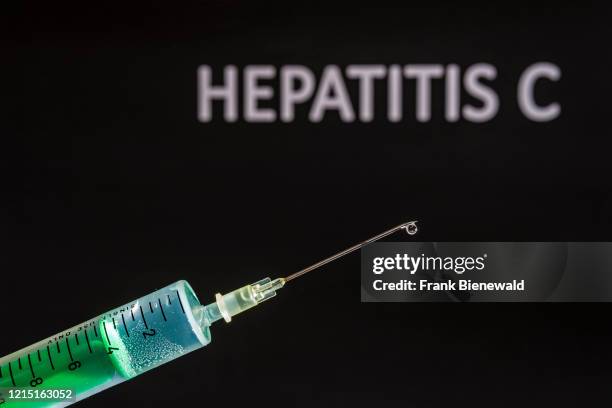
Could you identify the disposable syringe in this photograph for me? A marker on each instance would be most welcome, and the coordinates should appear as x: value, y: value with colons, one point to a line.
x: 129, y: 340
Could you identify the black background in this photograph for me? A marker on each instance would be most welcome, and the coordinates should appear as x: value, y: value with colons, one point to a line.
x: 119, y: 190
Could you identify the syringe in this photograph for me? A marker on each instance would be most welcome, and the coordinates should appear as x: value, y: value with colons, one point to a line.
x: 131, y: 339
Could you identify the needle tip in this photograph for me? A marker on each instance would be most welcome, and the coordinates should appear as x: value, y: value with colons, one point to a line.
x: 410, y: 227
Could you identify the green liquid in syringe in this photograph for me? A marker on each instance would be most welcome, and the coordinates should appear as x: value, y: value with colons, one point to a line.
x: 122, y: 343
x: 57, y: 367
x: 108, y: 350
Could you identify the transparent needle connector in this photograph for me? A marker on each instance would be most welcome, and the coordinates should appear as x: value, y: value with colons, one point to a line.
x: 242, y: 299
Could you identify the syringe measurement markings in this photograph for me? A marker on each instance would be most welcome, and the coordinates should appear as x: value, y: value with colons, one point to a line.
x: 169, y: 300
x: 76, y: 338
x: 87, y: 339
x: 31, y: 368
x: 11, y: 372
x: 143, y: 318
x: 58, y: 347
x: 95, y: 331
x: 19, y: 361
x: 162, y: 310
x: 50, y: 360
x: 39, y: 358
x: 150, y: 307
x: 180, y: 301
x: 106, y: 333
x: 69, y: 351
x: 132, y: 312
x: 0, y: 371
x: 114, y: 324
x: 127, y: 333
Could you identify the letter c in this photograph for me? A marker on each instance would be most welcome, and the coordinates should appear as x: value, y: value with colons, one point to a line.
x: 526, y: 84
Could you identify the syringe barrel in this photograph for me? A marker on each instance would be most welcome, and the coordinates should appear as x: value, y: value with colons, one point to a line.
x: 111, y: 348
